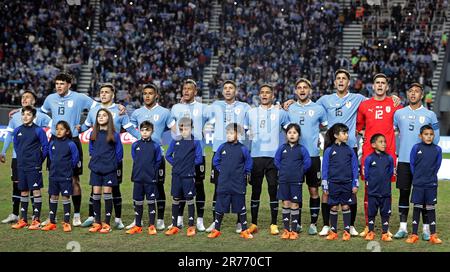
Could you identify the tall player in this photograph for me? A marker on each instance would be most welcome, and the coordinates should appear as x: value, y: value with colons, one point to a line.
x: 408, y: 122
x: 310, y: 117
x: 162, y: 121
x: 264, y: 125
x: 376, y: 115
x: 197, y: 112
x: 221, y: 113
x: 42, y: 120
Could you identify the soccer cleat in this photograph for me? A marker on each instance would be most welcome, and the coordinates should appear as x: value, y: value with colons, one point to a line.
x: 434, y: 239
x: 76, y: 222
x: 285, y: 235
x: 118, y: 224
x: 332, y: 236
x: 312, y: 229
x: 160, y: 224
x: 238, y: 228
x: 89, y: 221
x: 179, y: 223
x: 35, y: 225
x: 274, y: 229
x: 172, y: 231
x: 299, y: 228
x: 364, y: 232
x: 293, y: 235
x: 49, y: 226
x: 211, y: 227
x: 134, y: 230
x: 20, y: 224
x: 191, y: 231
x: 152, y: 230
x: 95, y: 227
x: 325, y: 230
x: 401, y: 234
x: 425, y: 236
x: 252, y: 229
x: 413, y: 238
x: 346, y: 236
x: 353, y: 231
x: 130, y: 226
x: 67, y: 227
x: 12, y: 218
x: 385, y: 237
x: 200, y: 226
x: 46, y: 222
x: 105, y: 228
x: 370, y: 236
x: 246, y: 234
x: 214, y: 234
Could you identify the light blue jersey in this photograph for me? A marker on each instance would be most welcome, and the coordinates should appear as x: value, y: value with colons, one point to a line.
x: 199, y: 115
x: 409, y: 122
x: 220, y: 114
x: 42, y: 120
x: 159, y: 116
x: 68, y: 108
x: 342, y: 110
x: 264, y: 127
x: 120, y: 121
x: 309, y: 116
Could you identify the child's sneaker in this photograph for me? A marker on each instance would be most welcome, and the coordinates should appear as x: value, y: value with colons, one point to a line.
x: 293, y: 235
x: 370, y: 236
x: 413, y: 238
x: 35, y: 225
x: 172, y: 231
x: 364, y: 232
x: 190, y: 231
x: 434, y: 239
x: 401, y: 234
x: 67, y: 227
x: 274, y: 229
x: 425, y: 236
x: 332, y: 236
x: 353, y: 231
x: 118, y: 224
x: 19, y: 225
x: 134, y: 230
x: 95, y: 227
x: 246, y: 234
x: 253, y: 229
x: 385, y: 237
x: 285, y: 235
x: 160, y: 224
x: 312, y: 229
x: 89, y: 221
x: 214, y: 234
x: 211, y: 227
x: 346, y: 236
x: 325, y: 231
x: 105, y: 228
x: 238, y: 228
x: 152, y: 230
x: 49, y: 226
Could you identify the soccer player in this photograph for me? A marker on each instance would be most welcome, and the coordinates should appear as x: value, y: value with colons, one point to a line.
x: 376, y: 115
x: 31, y: 145
x: 221, y: 113
x: 184, y: 154
x: 42, y: 120
x: 425, y: 161
x: 232, y: 159
x: 162, y: 121
x: 378, y: 170
x: 264, y: 125
x: 408, y: 122
x: 107, y: 94
x: 310, y: 117
x: 197, y: 112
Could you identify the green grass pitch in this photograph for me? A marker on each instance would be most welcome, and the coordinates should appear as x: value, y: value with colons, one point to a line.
x: 24, y: 240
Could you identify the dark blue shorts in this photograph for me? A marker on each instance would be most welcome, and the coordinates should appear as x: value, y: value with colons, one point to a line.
x: 30, y: 180
x: 290, y: 192
x: 109, y: 179
x: 424, y: 196
x: 63, y: 187
x: 235, y: 201
x: 382, y: 203
x: 340, y: 193
x: 147, y: 190
x: 183, y: 187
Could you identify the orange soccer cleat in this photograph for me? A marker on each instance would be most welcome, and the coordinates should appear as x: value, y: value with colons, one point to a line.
x: 95, y: 227
x: 346, y: 236
x: 386, y: 237
x: 152, y: 230
x: 332, y: 236
x: 19, y: 225
x: 413, y: 238
x: 172, y: 231
x: 434, y: 239
x: 35, y: 225
x: 134, y: 230
x: 285, y: 235
x: 253, y: 229
x: 191, y: 231
x: 49, y: 226
x: 370, y: 236
x: 293, y: 235
x: 246, y: 234
x: 105, y: 228
x: 67, y: 227
x: 214, y: 234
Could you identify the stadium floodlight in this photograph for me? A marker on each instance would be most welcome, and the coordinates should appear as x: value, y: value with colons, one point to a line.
x: 374, y: 2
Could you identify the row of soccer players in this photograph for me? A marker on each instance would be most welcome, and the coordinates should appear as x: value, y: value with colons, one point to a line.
x: 375, y: 115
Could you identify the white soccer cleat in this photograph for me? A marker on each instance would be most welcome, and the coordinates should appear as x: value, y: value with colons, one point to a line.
x: 238, y: 228
x: 353, y: 231
x: 46, y: 222
x: 211, y: 227
x: 324, y: 231
x: 160, y: 224
x: 12, y: 218
x: 200, y: 226
x: 76, y: 222
x: 118, y: 224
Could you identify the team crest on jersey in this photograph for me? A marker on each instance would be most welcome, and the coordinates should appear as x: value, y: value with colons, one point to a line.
x: 156, y: 117
x: 195, y: 112
x: 388, y: 109
x: 348, y: 104
x: 70, y: 103
x: 237, y: 111
x: 311, y: 113
x: 422, y: 119
x: 272, y: 117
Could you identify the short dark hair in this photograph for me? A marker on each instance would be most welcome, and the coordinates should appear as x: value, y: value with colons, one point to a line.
x: 230, y: 82
x: 108, y: 85
x: 30, y: 92
x: 296, y: 127
x: 236, y: 127
x: 375, y: 137
x: 146, y: 124
x: 425, y: 127
x: 185, y: 121
x: 341, y: 70
x: 415, y: 84
x: 380, y: 75
x: 151, y: 86
x: 64, y: 77
x: 300, y: 80
x: 29, y: 109
x: 267, y: 86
